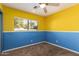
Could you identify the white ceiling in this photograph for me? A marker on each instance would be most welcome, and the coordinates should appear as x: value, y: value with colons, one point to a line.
x: 28, y: 7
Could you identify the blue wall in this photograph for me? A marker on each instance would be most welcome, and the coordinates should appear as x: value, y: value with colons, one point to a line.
x: 66, y: 39
x: 17, y: 39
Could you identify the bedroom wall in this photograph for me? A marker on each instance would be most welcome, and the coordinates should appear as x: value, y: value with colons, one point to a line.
x: 63, y: 28
x: 0, y: 7
x: 10, y: 13
x: 12, y: 39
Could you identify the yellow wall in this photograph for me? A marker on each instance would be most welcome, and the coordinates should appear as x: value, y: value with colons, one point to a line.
x: 66, y: 20
x: 0, y: 6
x: 10, y: 13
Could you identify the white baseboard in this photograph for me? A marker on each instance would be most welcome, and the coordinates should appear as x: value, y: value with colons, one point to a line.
x: 63, y: 48
x: 22, y: 47
x: 39, y: 43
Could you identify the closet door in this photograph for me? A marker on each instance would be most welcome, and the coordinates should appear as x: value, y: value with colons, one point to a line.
x: 0, y: 31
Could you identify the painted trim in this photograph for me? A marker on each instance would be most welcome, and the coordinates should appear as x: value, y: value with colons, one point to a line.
x: 1, y: 30
x: 48, y: 42
x: 26, y: 31
x: 60, y: 31
x: 22, y: 47
x: 39, y: 43
x: 40, y: 31
x: 63, y: 47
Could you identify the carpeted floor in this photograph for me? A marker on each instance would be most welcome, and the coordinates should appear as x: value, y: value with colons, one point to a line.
x: 42, y: 49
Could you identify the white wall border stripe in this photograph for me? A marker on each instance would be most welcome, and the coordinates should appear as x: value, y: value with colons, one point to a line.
x: 26, y: 31
x: 59, y: 31
x: 42, y: 31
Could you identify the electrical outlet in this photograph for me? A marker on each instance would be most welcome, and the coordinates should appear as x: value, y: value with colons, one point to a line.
x: 31, y: 40
x: 56, y: 41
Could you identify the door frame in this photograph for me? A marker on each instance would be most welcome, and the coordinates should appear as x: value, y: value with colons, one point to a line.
x: 1, y: 31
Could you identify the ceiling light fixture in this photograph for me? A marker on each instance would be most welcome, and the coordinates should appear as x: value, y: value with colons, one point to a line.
x: 42, y: 5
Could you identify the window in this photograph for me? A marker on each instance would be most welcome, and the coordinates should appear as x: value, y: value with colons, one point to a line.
x: 21, y: 24
x: 33, y: 25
